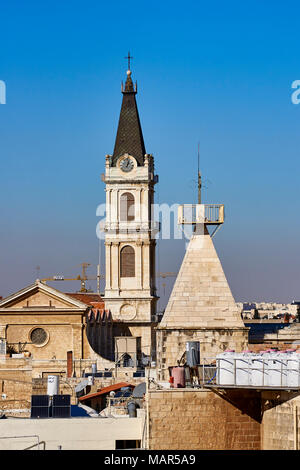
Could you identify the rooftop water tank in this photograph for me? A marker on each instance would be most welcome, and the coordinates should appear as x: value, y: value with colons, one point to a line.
x: 259, y: 369
x: 277, y: 367
x: 90, y: 380
x: 293, y: 369
x: 131, y: 406
x: 225, y: 368
x: 192, y: 349
x: 53, y: 385
x: 243, y: 363
x: 178, y: 374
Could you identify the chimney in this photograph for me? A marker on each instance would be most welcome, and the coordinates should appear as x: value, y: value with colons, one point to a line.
x: 69, y: 363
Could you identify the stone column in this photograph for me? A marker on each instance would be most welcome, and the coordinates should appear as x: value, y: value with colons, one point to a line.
x: 3, y: 329
x: 138, y: 205
x: 114, y: 206
x: 139, y: 265
x: 108, y: 206
x: 146, y: 265
x: 108, y: 265
x: 115, y: 275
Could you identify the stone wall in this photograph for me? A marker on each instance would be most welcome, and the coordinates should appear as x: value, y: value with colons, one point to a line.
x: 16, y: 389
x: 182, y: 419
x: 281, y: 421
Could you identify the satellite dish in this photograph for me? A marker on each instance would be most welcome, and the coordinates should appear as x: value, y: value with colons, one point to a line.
x: 139, y: 391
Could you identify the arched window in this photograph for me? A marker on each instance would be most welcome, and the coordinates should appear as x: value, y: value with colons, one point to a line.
x: 127, y: 262
x: 127, y: 207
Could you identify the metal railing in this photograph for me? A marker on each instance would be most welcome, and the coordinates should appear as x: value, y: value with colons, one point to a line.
x: 25, y: 437
x: 243, y: 372
x: 201, y: 213
x: 258, y: 373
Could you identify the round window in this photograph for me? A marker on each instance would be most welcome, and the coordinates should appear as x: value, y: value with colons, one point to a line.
x: 38, y: 336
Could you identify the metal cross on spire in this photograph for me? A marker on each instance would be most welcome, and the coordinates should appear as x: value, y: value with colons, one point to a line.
x: 128, y: 58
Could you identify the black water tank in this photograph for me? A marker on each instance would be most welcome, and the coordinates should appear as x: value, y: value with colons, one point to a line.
x: 192, y: 353
x: 131, y: 406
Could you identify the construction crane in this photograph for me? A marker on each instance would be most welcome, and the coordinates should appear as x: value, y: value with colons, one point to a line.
x: 83, y: 277
x: 164, y: 275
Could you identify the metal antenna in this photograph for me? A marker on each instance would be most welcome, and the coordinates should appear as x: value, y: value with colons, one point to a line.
x: 38, y: 271
x: 199, y: 176
x: 99, y: 268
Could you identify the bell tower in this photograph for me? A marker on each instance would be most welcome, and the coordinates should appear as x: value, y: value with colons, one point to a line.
x: 130, y: 289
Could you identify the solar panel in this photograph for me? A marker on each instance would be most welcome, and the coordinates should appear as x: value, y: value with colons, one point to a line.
x: 61, y: 411
x: 61, y: 400
x: 39, y: 400
x: 40, y: 412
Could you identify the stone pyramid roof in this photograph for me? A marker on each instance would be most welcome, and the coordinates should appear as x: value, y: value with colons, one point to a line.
x: 201, y: 296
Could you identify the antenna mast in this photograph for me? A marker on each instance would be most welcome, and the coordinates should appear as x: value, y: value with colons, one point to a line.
x: 98, y: 268
x: 199, y: 177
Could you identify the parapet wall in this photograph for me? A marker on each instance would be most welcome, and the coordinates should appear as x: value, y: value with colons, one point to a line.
x: 182, y: 419
x: 281, y: 422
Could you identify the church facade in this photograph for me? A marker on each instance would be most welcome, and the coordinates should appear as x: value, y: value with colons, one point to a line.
x: 44, y: 326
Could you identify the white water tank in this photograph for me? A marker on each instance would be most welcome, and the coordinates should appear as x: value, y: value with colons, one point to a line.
x: 225, y: 368
x: 277, y: 367
x: 53, y: 385
x: 243, y: 363
x: 259, y: 370
x: 293, y: 369
x: 90, y: 380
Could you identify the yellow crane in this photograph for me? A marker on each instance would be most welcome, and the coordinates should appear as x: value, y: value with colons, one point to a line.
x: 83, y: 277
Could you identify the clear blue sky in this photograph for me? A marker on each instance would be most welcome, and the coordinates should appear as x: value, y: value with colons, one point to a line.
x: 215, y: 72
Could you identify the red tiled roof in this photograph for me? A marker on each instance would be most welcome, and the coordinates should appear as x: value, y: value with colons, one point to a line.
x: 99, y: 305
x: 90, y: 299
x: 104, y: 390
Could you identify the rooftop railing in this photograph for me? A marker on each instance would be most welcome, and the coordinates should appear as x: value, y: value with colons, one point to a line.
x: 201, y: 214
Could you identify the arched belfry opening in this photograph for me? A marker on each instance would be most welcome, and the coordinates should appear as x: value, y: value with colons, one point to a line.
x: 127, y: 262
x: 127, y: 207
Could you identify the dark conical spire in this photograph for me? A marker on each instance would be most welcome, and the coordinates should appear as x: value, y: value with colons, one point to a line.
x: 129, y: 135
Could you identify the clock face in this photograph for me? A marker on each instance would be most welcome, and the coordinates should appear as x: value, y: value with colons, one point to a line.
x: 126, y: 164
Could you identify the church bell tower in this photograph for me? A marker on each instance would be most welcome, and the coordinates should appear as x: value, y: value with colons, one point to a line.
x: 130, y: 290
